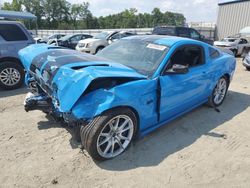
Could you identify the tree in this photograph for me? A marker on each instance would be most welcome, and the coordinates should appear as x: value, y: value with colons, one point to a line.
x: 34, y: 7
x: 15, y: 5
x: 60, y: 14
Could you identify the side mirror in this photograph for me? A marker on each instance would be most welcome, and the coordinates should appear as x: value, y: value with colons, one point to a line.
x: 177, y: 69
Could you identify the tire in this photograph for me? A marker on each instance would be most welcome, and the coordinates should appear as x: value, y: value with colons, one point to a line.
x: 92, y: 134
x: 17, y: 72
x: 244, y: 52
x: 235, y: 52
x: 212, y: 99
x: 248, y: 68
x: 99, y: 49
x: 76, y: 133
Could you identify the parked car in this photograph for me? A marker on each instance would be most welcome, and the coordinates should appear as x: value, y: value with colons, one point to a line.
x: 100, y: 41
x: 237, y: 45
x: 52, y: 39
x: 13, y: 37
x: 70, y: 41
x: 181, y: 32
x: 246, y: 59
x: 130, y: 88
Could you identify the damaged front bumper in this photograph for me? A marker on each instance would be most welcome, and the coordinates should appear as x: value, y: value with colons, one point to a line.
x: 45, y: 104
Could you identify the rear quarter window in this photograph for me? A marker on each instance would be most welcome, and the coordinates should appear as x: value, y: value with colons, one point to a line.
x: 11, y: 32
x: 213, y: 53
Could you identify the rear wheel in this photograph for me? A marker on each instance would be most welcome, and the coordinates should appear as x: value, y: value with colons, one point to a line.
x: 219, y: 92
x: 11, y: 75
x: 109, y: 134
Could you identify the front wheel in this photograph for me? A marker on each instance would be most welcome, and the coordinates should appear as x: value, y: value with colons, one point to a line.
x: 219, y: 92
x: 248, y: 68
x: 109, y: 134
x: 11, y: 75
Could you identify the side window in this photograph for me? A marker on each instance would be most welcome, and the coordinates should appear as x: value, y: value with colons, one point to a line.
x: 191, y: 56
x: 11, y: 32
x: 213, y: 53
x: 84, y: 37
x: 126, y: 35
x: 75, y: 38
x: 194, y: 34
x: 116, y: 36
x: 164, y: 31
x: 183, y: 32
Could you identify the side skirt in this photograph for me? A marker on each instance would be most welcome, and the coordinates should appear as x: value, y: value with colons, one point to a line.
x: 153, y: 127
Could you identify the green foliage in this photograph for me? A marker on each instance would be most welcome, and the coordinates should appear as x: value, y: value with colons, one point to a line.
x: 60, y: 14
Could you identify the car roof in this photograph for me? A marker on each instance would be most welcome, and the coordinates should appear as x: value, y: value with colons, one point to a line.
x: 10, y: 22
x: 160, y: 39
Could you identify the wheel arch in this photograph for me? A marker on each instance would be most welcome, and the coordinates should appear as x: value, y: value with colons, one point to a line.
x: 130, y: 108
x: 100, y: 46
x: 227, y: 76
x: 12, y: 59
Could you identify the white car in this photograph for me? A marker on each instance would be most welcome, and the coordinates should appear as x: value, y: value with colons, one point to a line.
x: 236, y: 45
x: 100, y: 41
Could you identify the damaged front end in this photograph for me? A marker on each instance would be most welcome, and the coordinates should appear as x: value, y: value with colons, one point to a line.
x: 59, y: 78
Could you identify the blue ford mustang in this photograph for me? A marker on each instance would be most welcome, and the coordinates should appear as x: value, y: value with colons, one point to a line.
x: 130, y: 88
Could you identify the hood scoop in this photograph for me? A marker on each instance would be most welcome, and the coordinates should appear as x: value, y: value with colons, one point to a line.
x: 84, y: 66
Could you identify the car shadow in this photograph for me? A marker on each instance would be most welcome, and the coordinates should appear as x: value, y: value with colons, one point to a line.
x: 52, y: 123
x: 179, y: 134
x: 9, y: 93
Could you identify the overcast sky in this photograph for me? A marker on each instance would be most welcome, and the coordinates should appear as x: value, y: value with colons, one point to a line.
x: 193, y: 10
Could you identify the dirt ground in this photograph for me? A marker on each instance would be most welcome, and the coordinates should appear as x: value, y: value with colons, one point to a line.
x: 204, y: 148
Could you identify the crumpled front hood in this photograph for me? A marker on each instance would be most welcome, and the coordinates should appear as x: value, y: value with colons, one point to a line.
x: 68, y: 73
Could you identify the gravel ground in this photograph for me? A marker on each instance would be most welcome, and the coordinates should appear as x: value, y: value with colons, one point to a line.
x: 204, y: 148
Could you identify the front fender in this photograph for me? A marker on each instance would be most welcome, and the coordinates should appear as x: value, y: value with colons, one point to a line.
x: 139, y: 95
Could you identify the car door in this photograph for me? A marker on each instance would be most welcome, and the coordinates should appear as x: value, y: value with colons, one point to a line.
x: 181, y: 92
x: 241, y: 45
x: 14, y: 38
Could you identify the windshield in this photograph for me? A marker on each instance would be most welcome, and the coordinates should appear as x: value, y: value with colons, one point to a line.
x: 102, y: 35
x: 142, y: 56
x: 228, y: 40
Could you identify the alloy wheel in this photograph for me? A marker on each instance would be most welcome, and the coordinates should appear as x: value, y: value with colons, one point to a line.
x: 115, y: 136
x: 10, y: 76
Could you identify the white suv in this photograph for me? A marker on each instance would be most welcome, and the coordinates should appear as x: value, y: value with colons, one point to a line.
x: 100, y: 41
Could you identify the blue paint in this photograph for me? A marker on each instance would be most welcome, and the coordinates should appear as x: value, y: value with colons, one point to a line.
x: 180, y: 93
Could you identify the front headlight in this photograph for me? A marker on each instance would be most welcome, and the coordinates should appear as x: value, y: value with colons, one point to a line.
x: 89, y: 45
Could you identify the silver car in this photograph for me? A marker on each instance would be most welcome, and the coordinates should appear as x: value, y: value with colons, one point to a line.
x: 100, y: 41
x: 236, y: 45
